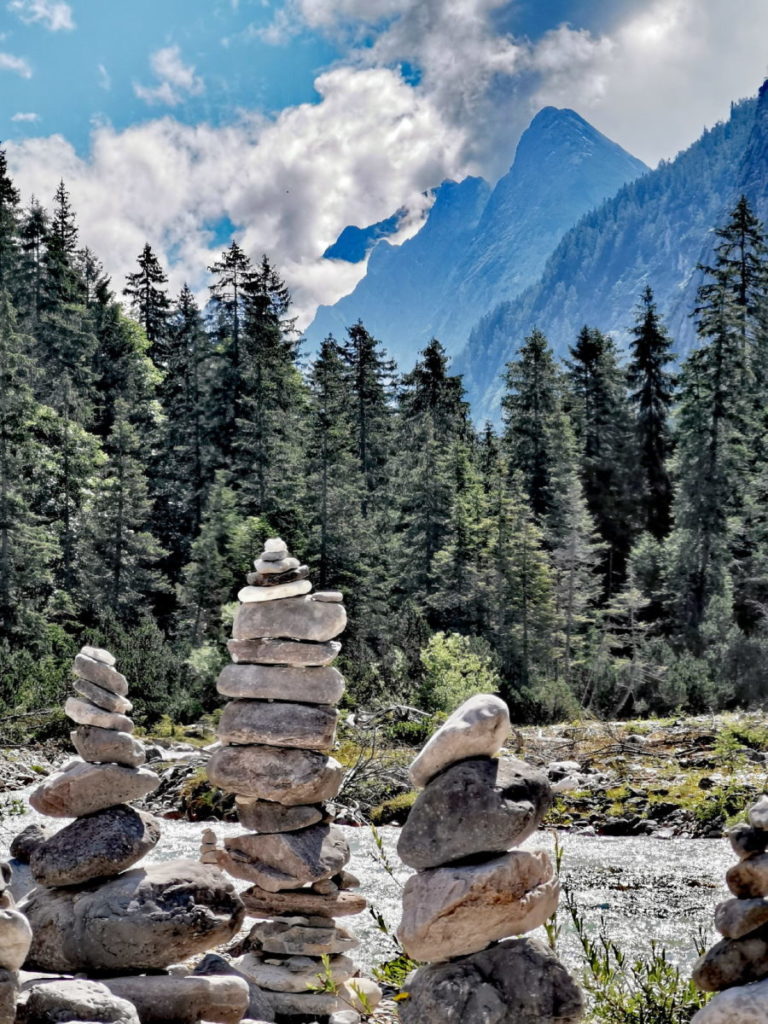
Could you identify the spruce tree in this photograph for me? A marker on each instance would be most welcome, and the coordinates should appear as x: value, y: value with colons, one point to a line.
x: 10, y: 216
x: 33, y: 234
x: 149, y: 302
x: 652, y: 393
x: 531, y: 405
x: 62, y: 280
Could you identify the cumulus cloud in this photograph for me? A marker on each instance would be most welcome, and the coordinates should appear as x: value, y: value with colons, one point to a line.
x: 52, y: 14
x: 289, y: 185
x: 28, y: 118
x: 176, y: 79
x: 10, y: 62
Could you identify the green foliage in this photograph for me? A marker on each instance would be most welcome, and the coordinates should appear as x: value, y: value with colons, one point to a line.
x: 455, y: 668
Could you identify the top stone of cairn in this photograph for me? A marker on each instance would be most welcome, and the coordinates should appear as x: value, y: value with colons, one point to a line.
x: 479, y: 727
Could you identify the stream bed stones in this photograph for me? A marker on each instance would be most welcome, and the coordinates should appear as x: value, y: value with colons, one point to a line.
x: 472, y: 889
x: 276, y: 735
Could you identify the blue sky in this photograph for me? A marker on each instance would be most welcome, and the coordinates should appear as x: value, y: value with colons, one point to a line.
x: 181, y: 122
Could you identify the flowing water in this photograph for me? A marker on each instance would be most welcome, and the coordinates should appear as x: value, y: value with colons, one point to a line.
x: 643, y: 889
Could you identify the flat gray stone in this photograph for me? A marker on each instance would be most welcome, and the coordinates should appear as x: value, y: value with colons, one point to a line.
x: 735, y: 918
x: 267, y: 816
x: 284, y: 775
x: 158, y: 998
x: 105, y: 746
x: 294, y: 973
x: 288, y: 860
x: 76, y: 999
x: 84, y: 713
x: 453, y: 911
x: 260, y: 579
x: 749, y: 878
x: 98, y: 654
x: 299, y: 936
x: 262, y: 904
x: 478, y: 728
x: 733, y: 962
x: 297, y: 618
x: 15, y: 939
x: 294, y: 653
x: 144, y: 919
x: 95, y: 846
x: 81, y: 788
x: 330, y: 596
x: 747, y: 1005
x: 279, y: 724
x: 463, y: 812
x: 251, y: 595
x: 102, y: 698
x: 281, y: 682
x: 265, y: 566
x: 212, y: 965
x: 519, y: 981
x: 102, y: 674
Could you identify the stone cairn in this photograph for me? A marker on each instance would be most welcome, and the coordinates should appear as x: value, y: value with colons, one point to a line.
x: 737, y: 966
x: 15, y: 940
x: 472, y: 889
x: 276, y: 734
x: 89, y: 913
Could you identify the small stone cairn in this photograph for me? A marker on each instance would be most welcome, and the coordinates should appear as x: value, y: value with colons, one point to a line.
x: 737, y: 966
x: 89, y: 912
x: 276, y: 734
x: 472, y: 889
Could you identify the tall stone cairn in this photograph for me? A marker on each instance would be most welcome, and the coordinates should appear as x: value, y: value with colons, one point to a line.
x: 92, y: 909
x: 276, y: 734
x: 473, y: 887
x: 737, y: 966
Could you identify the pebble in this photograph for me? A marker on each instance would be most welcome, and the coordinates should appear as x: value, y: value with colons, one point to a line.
x: 479, y: 727
x: 250, y: 595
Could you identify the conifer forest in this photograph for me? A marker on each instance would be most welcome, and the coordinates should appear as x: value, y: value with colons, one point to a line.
x: 602, y: 549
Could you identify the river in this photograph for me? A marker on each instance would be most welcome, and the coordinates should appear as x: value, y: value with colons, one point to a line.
x: 642, y: 888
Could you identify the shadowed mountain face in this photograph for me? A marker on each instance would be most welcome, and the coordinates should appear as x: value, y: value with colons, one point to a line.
x: 655, y: 232
x: 479, y: 247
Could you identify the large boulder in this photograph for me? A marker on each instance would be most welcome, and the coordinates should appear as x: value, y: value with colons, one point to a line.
x: 463, y: 812
x: 279, y: 724
x: 282, y: 682
x: 81, y: 788
x: 144, y: 919
x: 285, y: 775
x: 290, y: 860
x: 187, y: 1000
x: 295, y: 618
x: 453, y: 911
x: 59, y: 1000
x: 477, y: 728
x: 519, y: 981
x: 95, y: 846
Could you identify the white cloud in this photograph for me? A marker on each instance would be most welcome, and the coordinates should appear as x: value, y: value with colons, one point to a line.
x: 29, y: 118
x: 105, y: 79
x: 9, y: 62
x: 290, y: 185
x: 177, y: 79
x: 53, y: 14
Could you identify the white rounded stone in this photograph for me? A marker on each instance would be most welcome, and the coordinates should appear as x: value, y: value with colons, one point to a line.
x: 294, y: 589
x: 747, y: 1004
x: 758, y: 813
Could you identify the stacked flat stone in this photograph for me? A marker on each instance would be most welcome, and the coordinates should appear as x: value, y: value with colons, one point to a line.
x: 473, y: 887
x: 276, y: 734
x: 92, y: 909
x: 737, y: 966
x: 15, y: 940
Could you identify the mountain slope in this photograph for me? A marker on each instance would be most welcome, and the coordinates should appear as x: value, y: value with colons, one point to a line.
x: 654, y: 231
x: 479, y: 247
